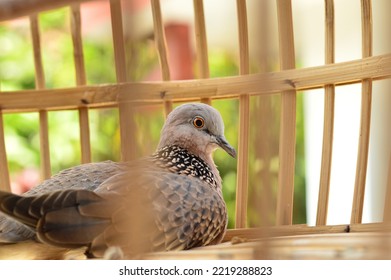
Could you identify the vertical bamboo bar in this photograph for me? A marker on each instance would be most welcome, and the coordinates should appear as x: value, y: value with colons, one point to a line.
x: 244, y: 58
x: 5, y: 184
x: 261, y: 196
x: 328, y: 126
x: 160, y: 39
x: 244, y: 121
x: 201, y: 43
x: 35, y: 37
x: 40, y: 84
x: 126, y: 110
x: 387, y: 202
x: 44, y: 142
x: 85, y: 142
x: 161, y: 45
x: 288, y: 118
x: 118, y: 40
x: 366, y: 104
x: 78, y: 56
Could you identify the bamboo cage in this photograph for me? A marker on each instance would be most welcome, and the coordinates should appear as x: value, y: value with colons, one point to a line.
x: 282, y: 240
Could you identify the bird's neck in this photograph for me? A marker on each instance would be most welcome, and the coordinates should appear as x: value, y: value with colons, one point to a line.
x: 181, y: 161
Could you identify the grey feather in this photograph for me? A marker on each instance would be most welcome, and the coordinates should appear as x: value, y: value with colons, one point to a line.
x: 171, y: 200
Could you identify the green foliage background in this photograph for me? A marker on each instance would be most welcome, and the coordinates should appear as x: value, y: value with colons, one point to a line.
x: 22, y: 130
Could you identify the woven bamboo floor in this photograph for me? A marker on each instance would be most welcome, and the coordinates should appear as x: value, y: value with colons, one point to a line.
x: 334, y: 246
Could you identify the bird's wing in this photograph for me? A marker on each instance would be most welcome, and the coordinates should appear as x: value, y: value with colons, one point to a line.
x: 12, y: 231
x: 59, y: 214
x: 150, y: 211
x: 170, y: 212
x: 86, y: 176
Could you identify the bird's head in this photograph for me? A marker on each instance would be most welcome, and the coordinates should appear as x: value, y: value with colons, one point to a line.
x: 196, y: 127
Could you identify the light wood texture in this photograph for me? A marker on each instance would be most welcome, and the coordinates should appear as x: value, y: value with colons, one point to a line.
x: 161, y: 45
x: 242, y: 164
x: 36, y: 43
x: 44, y: 145
x: 331, y: 246
x: 40, y: 84
x: 168, y: 106
x: 387, y: 200
x: 5, y: 184
x: 257, y: 84
x: 376, y: 68
x: 30, y: 250
x: 201, y: 40
x: 85, y: 142
x: 118, y: 40
x: 12, y: 9
x: 288, y: 118
x: 366, y: 107
x: 244, y: 122
x: 160, y: 39
x: 328, y: 126
x: 78, y: 54
x: 128, y: 131
x: 302, y: 229
x: 201, y: 44
x: 282, y: 241
x: 127, y: 126
x: 335, y: 246
x: 215, y: 252
x: 244, y: 56
x: 81, y: 79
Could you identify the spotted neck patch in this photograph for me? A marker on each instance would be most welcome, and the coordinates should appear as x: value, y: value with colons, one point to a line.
x: 180, y: 161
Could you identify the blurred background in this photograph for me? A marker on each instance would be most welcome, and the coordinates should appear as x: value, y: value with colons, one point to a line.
x: 22, y: 130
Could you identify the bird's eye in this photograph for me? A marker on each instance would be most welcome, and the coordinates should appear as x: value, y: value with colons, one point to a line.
x: 198, y: 122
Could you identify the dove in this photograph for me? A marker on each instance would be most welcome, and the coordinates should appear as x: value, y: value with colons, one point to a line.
x: 170, y: 200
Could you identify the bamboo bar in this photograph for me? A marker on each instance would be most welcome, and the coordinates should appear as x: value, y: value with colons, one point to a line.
x: 118, y: 40
x: 128, y: 143
x: 376, y: 68
x: 318, y: 247
x: 36, y: 42
x: 302, y: 229
x: 288, y: 118
x: 201, y: 44
x: 160, y: 39
x: 44, y: 145
x: 244, y: 122
x: 5, y: 184
x: 85, y: 142
x: 366, y: 105
x: 387, y: 200
x: 328, y: 126
x: 78, y: 53
x: 78, y: 56
x: 161, y: 45
x: 12, y: 9
x: 283, y: 240
x: 40, y: 84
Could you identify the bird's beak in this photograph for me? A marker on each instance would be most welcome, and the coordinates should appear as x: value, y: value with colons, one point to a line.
x: 222, y: 142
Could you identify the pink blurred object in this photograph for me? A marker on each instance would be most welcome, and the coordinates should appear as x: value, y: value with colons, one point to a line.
x: 180, y: 57
x: 25, y: 180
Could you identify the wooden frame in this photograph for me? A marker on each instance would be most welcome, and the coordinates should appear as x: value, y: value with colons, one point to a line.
x: 287, y: 82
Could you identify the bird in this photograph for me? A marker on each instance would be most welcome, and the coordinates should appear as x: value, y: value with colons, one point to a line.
x: 169, y: 200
